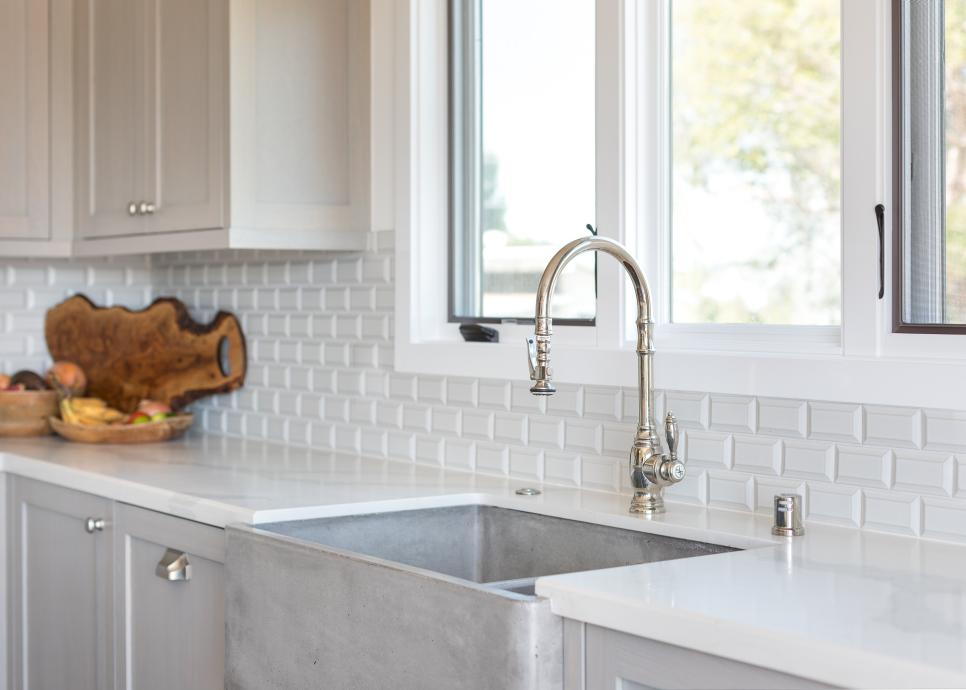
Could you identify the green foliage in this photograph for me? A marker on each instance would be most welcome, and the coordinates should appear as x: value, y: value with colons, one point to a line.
x: 756, y: 93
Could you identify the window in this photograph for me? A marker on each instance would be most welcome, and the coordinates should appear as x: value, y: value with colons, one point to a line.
x: 788, y: 181
x: 523, y: 154
x: 930, y: 58
x: 755, y: 114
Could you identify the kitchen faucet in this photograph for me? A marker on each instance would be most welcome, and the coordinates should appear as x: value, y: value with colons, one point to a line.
x: 651, y: 470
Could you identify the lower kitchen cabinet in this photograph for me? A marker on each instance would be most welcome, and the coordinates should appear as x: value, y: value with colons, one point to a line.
x: 60, y: 588
x: 106, y: 595
x: 170, y: 603
x: 597, y: 658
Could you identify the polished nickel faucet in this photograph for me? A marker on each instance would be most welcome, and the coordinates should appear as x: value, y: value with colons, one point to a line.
x: 651, y: 470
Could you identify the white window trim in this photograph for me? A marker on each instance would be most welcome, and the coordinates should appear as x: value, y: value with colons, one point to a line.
x: 863, y: 362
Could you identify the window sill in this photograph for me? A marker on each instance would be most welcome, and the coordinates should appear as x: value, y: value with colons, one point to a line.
x: 813, y: 376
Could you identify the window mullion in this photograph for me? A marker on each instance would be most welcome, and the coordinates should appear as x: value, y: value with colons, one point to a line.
x: 865, y: 71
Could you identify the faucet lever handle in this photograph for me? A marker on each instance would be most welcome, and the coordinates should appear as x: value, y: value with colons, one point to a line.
x: 532, y: 356
x: 672, y: 435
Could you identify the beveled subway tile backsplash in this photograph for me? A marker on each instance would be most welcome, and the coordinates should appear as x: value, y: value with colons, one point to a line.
x: 320, y: 334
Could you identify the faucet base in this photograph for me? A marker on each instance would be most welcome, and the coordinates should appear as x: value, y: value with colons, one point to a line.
x: 646, y: 503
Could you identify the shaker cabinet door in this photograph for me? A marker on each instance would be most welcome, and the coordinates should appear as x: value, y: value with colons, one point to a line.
x: 110, y: 124
x: 170, y: 612
x: 60, y: 578
x: 24, y: 120
x: 187, y: 56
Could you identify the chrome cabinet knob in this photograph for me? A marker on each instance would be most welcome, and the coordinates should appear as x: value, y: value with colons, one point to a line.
x: 132, y: 209
x: 146, y: 208
x: 92, y: 525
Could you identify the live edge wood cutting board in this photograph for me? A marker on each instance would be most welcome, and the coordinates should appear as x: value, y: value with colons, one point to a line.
x: 159, y: 353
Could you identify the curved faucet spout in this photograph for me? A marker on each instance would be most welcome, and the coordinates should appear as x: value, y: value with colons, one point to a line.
x: 650, y: 469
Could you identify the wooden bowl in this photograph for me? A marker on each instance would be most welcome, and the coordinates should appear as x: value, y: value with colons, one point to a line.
x: 152, y: 432
x: 25, y: 413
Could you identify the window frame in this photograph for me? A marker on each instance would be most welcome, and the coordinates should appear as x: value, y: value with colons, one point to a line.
x: 869, y: 364
x: 899, y: 324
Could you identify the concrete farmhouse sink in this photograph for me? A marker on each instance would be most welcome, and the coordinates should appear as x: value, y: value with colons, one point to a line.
x: 439, y: 597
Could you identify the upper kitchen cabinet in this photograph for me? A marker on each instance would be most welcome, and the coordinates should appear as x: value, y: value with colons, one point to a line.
x: 35, y: 125
x: 224, y: 125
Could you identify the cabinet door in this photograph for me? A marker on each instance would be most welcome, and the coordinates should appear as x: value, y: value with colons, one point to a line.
x: 617, y: 660
x: 300, y: 115
x: 110, y: 116
x: 187, y: 57
x: 60, y: 580
x: 170, y: 632
x: 24, y: 120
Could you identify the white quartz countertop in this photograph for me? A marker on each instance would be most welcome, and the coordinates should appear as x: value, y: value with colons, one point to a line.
x: 838, y: 606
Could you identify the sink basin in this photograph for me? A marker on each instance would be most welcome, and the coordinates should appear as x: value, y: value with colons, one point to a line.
x: 440, y: 597
x: 504, y: 548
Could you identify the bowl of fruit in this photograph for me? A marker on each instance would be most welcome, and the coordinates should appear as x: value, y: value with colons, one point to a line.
x: 92, y: 420
x: 28, y: 400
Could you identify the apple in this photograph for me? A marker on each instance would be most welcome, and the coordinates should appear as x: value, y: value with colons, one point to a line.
x: 137, y: 418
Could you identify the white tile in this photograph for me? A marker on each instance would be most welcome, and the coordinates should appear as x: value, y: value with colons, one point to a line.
x: 961, y: 476
x: 583, y: 435
x: 373, y: 442
x: 446, y: 420
x: 706, y: 449
x: 401, y: 445
x: 617, y: 440
x: 864, y: 466
x: 567, y: 401
x: 692, y: 489
x: 691, y: 409
x: 495, y: 395
x: 600, y: 473
x: 602, y: 403
x: 431, y: 389
x: 478, y: 424
x: 730, y: 490
x: 809, y: 460
x: 402, y: 386
x: 561, y: 468
x: 733, y: 413
x: 835, y: 421
x: 893, y: 427
x: 416, y: 417
x: 757, y: 454
x: 510, y: 428
x: 347, y: 438
x: 944, y: 519
x: 546, y: 432
x: 492, y: 459
x: 782, y: 417
x: 840, y: 505
x: 887, y: 511
x: 462, y: 392
x: 526, y: 463
x: 945, y: 430
x: 459, y: 454
x: 925, y: 473
x: 389, y: 414
x: 429, y: 450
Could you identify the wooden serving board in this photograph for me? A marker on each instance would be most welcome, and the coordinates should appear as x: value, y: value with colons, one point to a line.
x: 153, y: 432
x: 158, y: 353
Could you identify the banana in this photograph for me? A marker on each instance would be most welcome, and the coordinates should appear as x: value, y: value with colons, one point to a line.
x: 88, y: 412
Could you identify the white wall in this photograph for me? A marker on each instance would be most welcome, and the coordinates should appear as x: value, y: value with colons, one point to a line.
x: 319, y: 331
x: 320, y: 336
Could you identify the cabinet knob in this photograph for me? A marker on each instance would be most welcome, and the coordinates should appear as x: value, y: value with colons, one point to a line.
x: 174, y: 566
x: 92, y: 525
x: 132, y: 209
x: 146, y: 208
